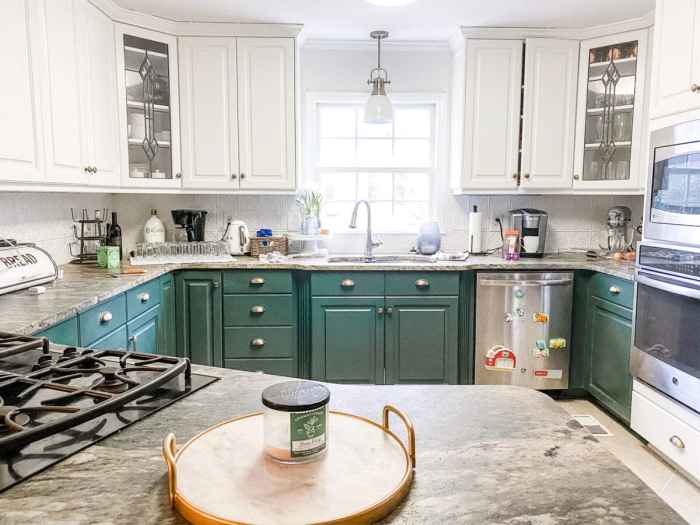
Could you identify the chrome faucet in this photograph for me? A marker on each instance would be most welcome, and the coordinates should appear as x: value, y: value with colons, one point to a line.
x: 370, y: 244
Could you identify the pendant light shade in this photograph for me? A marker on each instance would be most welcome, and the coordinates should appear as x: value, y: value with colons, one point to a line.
x: 378, y: 109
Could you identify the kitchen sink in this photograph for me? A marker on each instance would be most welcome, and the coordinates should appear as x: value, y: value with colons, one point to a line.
x: 379, y: 259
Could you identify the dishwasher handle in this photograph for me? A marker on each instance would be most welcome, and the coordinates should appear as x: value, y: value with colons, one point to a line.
x: 513, y: 282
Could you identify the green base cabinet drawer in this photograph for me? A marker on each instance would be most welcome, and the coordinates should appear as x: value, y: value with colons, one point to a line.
x: 259, y: 310
x: 142, y: 298
x: 347, y: 283
x: 253, y: 343
x: 63, y: 333
x: 102, y: 319
x: 275, y: 367
x: 613, y: 289
x: 116, y: 340
x: 422, y: 283
x: 253, y: 281
x: 143, y: 331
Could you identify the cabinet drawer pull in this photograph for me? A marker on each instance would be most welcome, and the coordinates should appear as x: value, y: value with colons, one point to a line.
x: 380, y: 311
x: 677, y: 442
x: 144, y: 297
x: 105, y: 317
x: 257, y: 343
x: 694, y: 87
x: 257, y: 281
x: 389, y: 311
x: 257, y: 310
x: 614, y: 290
x: 422, y: 283
x: 347, y: 283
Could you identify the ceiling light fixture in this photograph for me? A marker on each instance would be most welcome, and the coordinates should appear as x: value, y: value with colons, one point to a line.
x: 378, y: 109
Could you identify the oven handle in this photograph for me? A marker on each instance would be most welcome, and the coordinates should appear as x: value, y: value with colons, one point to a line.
x: 666, y: 286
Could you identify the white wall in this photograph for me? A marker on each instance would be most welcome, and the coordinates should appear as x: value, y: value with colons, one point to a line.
x: 575, y: 220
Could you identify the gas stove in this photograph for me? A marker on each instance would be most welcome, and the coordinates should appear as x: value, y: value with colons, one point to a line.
x: 55, y: 403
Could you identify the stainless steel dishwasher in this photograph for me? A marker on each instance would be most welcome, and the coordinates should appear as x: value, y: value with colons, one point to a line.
x: 523, y: 328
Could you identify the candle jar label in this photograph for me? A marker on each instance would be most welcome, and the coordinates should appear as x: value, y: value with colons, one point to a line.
x: 308, y: 432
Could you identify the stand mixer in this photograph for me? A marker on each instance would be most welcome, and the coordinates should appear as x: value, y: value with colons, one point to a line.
x: 620, y: 234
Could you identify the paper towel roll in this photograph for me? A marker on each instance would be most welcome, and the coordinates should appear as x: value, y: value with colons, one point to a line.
x: 474, y: 245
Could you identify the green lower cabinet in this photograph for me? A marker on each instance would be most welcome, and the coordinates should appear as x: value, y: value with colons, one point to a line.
x: 63, y: 333
x: 347, y: 339
x: 609, y: 340
x: 116, y: 340
x: 166, y: 334
x: 198, y: 316
x: 421, y: 340
x: 143, y: 332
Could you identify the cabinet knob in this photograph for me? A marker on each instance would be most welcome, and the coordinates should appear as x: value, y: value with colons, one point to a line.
x: 577, y: 177
x: 257, y: 343
x: 94, y: 169
x: 86, y: 169
x: 614, y: 290
x: 215, y: 284
x: 694, y: 87
x: 389, y: 311
x: 132, y: 341
x: 144, y: 297
x: 233, y: 176
x: 257, y: 310
x: 515, y: 176
x: 422, y: 283
x: 380, y: 311
x: 106, y: 317
x: 347, y: 283
x: 677, y: 442
x: 242, y: 175
x: 178, y: 175
x: 527, y: 175
x: 257, y: 281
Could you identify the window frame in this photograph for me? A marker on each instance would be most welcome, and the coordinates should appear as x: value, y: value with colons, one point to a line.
x: 437, y: 173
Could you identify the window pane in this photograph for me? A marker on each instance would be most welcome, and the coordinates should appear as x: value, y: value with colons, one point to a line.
x: 336, y: 215
x: 382, y: 214
x: 374, y: 152
x: 372, y: 130
x: 412, y: 213
x: 337, y: 121
x: 375, y: 186
x: 412, y: 187
x: 337, y: 152
x: 413, y: 122
x: 338, y: 186
x: 412, y: 152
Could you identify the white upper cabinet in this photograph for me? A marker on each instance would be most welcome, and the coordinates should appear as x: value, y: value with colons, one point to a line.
x: 266, y: 113
x: 21, y: 148
x: 101, y: 105
x: 610, y: 143
x: 676, y: 84
x: 491, y: 114
x: 148, y: 108
x: 208, y: 105
x: 64, y: 92
x: 549, y: 113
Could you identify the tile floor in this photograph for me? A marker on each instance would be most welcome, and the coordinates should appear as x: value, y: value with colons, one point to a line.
x: 676, y: 490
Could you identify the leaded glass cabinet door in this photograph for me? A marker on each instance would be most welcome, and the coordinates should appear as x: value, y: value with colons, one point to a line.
x: 609, y: 141
x: 149, y: 117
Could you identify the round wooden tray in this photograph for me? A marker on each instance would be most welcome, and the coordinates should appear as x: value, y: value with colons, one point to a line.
x: 223, y: 476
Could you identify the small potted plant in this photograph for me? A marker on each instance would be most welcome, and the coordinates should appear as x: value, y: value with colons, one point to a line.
x: 310, y: 203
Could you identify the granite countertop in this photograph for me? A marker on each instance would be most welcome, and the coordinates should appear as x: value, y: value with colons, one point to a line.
x: 85, y: 286
x: 485, y: 455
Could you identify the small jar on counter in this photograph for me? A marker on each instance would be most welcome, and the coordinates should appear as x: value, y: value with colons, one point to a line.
x: 296, y: 421
x: 511, y: 245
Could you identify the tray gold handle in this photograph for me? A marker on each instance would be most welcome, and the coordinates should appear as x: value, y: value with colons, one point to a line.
x: 169, y: 450
x: 409, y: 430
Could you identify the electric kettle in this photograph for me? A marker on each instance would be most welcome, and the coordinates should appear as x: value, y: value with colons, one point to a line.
x: 236, y: 237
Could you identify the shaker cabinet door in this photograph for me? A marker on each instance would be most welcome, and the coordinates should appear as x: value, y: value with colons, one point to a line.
x: 266, y: 113
x: 492, y: 114
x: 549, y: 113
x: 208, y: 103
x: 676, y: 57
x: 21, y: 149
x: 199, y: 323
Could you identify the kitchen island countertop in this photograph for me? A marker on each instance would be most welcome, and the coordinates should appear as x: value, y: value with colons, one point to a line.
x: 485, y: 455
x: 85, y: 286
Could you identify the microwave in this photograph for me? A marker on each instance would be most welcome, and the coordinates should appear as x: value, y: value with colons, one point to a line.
x: 672, y: 204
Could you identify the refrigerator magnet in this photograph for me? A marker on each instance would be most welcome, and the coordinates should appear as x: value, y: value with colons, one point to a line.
x: 557, y: 343
x: 500, y: 359
x: 540, y: 317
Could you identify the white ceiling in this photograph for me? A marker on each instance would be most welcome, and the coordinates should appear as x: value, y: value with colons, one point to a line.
x: 422, y: 20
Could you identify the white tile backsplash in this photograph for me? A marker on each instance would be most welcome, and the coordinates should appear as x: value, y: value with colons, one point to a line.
x: 44, y: 218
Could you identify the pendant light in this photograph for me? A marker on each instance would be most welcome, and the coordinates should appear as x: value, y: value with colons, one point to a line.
x: 378, y: 109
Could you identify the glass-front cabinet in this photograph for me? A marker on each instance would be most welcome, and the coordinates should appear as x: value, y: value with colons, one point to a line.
x: 149, y: 119
x: 609, y: 139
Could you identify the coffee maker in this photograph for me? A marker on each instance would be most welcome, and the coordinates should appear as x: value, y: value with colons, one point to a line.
x: 191, y: 222
x: 532, y: 225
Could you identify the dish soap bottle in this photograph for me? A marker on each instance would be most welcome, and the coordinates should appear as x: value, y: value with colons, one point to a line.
x: 153, y: 230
